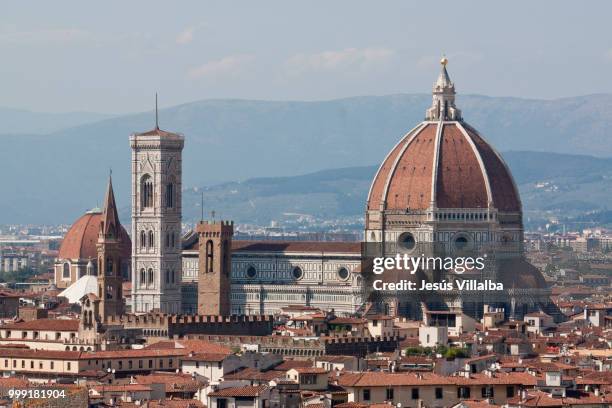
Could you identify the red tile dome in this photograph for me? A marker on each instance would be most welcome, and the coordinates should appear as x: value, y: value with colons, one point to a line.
x: 443, y: 163
x: 81, y: 239
x: 447, y: 164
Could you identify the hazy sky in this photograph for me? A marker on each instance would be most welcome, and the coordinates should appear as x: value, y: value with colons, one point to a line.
x: 111, y: 56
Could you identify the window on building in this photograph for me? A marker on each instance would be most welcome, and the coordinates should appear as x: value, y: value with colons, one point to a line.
x: 68, y: 365
x: 150, y: 363
x: 140, y: 365
x: 366, y: 394
x: 52, y: 365
x: 209, y: 256
x: 389, y: 394
x: 109, y: 266
x: 143, y: 277
x: 66, y: 270
x: 169, y: 362
x: 150, y: 277
x: 146, y: 191
x: 487, y: 392
x: 414, y: 393
x: 151, y: 239
x: 170, y: 195
x: 143, y: 239
x: 510, y: 391
x: 439, y: 393
x: 161, y: 363
x: 32, y: 365
x: 130, y: 364
x: 463, y: 392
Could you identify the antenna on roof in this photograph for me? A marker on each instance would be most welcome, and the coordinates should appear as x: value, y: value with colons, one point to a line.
x: 156, y: 114
x: 202, y: 208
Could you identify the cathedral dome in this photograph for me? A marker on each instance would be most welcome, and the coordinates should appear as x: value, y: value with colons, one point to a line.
x: 443, y: 163
x: 81, y: 239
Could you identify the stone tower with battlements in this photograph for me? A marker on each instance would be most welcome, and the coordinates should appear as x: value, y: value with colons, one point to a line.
x: 215, y: 263
x: 156, y: 221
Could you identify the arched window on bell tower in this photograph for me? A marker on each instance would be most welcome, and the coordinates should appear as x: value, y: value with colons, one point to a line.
x: 109, y: 266
x: 150, y: 277
x: 209, y: 256
x: 151, y: 239
x: 170, y: 195
x: 143, y: 239
x: 146, y: 191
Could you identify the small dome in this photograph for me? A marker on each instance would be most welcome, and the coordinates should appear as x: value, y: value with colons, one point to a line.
x: 81, y: 239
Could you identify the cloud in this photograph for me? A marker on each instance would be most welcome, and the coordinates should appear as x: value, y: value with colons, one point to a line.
x: 349, y: 59
x: 230, y: 65
x: 45, y: 37
x: 185, y: 36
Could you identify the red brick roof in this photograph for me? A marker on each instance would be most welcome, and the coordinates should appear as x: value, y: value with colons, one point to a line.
x: 191, y: 346
x: 239, y: 391
x: 297, y: 246
x: 173, y: 382
x: 380, y: 379
x: 253, y: 374
x: 311, y: 370
x: 45, y: 324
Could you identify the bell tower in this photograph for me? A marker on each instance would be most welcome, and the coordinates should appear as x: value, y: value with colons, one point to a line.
x: 214, y: 269
x: 110, y: 280
x: 156, y: 220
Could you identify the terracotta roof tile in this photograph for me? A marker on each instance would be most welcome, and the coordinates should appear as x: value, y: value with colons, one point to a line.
x: 239, y: 391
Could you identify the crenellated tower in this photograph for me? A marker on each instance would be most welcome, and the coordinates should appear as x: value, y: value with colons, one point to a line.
x: 215, y: 264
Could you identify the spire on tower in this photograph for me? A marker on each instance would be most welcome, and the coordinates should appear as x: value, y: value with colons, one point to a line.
x: 109, y: 225
x: 443, y: 104
x: 156, y: 113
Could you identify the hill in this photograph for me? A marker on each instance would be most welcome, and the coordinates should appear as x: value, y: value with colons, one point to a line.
x: 551, y: 184
x: 55, y: 177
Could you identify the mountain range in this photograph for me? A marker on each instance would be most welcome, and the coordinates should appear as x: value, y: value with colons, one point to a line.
x: 52, y: 172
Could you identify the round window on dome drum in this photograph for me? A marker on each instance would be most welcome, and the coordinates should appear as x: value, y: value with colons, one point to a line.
x: 406, y: 241
x: 343, y: 273
x: 251, y: 272
x: 461, y: 243
x: 297, y: 272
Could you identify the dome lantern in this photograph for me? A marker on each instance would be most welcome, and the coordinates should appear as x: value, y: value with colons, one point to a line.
x: 443, y: 97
